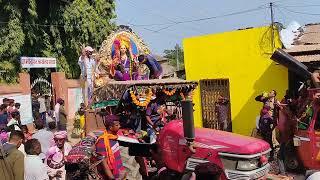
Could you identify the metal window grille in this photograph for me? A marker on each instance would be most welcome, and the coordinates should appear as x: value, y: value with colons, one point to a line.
x: 210, y: 89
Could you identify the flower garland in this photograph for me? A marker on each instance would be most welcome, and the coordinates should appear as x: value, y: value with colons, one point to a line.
x: 137, y: 102
x: 170, y: 93
x: 184, y: 97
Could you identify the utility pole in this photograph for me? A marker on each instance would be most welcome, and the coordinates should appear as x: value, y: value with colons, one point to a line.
x: 177, y: 57
x: 272, y: 28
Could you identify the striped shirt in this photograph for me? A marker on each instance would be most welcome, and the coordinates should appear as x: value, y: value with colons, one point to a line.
x: 101, y: 149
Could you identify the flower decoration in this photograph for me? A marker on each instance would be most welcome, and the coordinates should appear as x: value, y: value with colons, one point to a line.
x: 188, y: 96
x: 169, y: 93
x: 136, y: 101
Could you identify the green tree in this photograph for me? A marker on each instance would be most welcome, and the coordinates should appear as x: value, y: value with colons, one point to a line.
x: 51, y: 29
x: 173, y: 54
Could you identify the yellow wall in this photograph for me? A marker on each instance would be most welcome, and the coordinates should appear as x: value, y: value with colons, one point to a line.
x: 243, y: 57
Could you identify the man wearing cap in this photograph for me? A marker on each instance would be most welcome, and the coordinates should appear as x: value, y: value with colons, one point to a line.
x: 87, y: 65
x: 55, y: 156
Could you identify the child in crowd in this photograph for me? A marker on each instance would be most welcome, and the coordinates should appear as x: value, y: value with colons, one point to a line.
x: 79, y: 121
x: 15, y: 121
x: 81, y: 113
x: 26, y: 133
x: 17, y: 106
x: 108, y: 146
x: 10, y: 108
x: 4, y: 136
x: 3, y: 116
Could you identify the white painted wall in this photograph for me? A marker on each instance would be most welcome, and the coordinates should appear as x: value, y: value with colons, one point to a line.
x: 26, y: 106
x: 74, y: 100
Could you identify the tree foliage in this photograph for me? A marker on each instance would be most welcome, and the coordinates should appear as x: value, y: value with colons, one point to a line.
x: 171, y: 55
x: 47, y: 28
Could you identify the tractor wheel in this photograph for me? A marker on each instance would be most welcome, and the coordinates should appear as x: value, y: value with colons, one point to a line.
x: 132, y: 167
x: 291, y: 163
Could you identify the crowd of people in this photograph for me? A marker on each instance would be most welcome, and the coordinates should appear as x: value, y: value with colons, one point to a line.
x: 33, y: 154
x: 279, y: 120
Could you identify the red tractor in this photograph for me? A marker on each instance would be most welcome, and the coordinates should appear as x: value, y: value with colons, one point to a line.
x: 182, y: 146
x: 303, y: 147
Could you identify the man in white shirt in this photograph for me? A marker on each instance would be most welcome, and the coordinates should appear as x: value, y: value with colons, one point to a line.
x: 34, y: 169
x: 45, y: 138
x: 87, y: 65
x: 57, y: 110
x: 314, y: 176
x: 42, y: 109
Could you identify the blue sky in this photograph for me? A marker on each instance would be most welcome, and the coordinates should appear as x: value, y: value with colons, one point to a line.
x: 156, y: 20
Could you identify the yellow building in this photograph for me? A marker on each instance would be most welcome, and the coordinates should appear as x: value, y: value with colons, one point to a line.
x: 234, y: 64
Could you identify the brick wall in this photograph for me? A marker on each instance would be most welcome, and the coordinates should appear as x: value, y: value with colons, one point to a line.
x: 69, y: 90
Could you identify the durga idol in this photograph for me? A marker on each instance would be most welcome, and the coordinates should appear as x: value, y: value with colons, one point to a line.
x: 123, y: 67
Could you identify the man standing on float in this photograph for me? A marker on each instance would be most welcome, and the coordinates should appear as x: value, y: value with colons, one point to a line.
x: 153, y: 65
x: 87, y: 65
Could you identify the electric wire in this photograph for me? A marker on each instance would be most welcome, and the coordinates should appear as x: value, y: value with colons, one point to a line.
x: 298, y: 12
x: 283, y: 16
x: 168, y: 25
x: 210, y: 18
x: 309, y: 5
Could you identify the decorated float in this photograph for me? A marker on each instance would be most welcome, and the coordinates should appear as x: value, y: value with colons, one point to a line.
x: 118, y: 58
x: 157, y: 114
x: 124, y: 89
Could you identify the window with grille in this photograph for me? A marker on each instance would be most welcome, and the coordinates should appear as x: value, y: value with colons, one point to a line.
x: 211, y: 90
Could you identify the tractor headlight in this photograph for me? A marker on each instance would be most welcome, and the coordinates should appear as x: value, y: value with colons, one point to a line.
x: 248, y: 165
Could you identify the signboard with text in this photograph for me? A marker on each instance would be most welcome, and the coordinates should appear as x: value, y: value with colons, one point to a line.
x: 38, y: 62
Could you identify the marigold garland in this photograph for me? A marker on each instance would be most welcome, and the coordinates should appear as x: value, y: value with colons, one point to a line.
x: 184, y: 97
x: 137, y: 102
x: 169, y: 93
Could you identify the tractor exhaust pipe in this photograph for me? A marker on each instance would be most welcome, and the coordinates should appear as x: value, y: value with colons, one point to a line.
x: 291, y: 63
x: 188, y: 123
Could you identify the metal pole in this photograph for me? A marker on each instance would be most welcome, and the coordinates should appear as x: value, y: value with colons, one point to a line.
x: 177, y: 56
x: 272, y: 23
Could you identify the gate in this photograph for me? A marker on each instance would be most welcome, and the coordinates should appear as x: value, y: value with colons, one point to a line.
x: 41, y: 85
x: 210, y: 89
